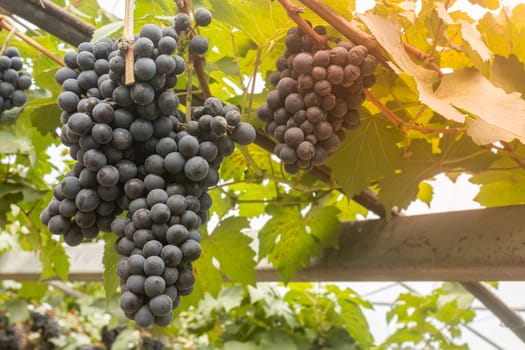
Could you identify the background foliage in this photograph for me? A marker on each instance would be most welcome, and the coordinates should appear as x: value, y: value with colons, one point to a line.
x: 416, y: 125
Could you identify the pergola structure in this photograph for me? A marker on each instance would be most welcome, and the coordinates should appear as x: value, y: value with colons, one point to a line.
x: 466, y: 246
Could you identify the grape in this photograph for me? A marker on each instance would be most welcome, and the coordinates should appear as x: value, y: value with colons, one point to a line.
x: 154, y: 265
x: 186, y: 279
x: 135, y: 283
x: 63, y: 74
x: 191, y: 250
x: 129, y: 301
x: 58, y: 224
x: 161, y: 305
x: 121, y: 139
x: 142, y: 218
x: 141, y: 129
x: 167, y: 45
x: 108, y: 176
x: 102, y: 133
x: 182, y: 22
x: 154, y: 285
x: 67, y: 208
x: 142, y: 94
x: 152, y: 248
x: 145, y: 68
x: 198, y: 45
x: 168, y: 103
x: 144, y: 317
x: 202, y: 17
x: 154, y: 164
x: 152, y: 32
x: 85, y: 219
x: 70, y: 187
x: 196, y: 168
x: 143, y: 47
x: 170, y: 275
x: 177, y: 234
x: 80, y: 124
x: 94, y: 159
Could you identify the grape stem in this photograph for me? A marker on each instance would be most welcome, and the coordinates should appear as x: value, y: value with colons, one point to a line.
x: 351, y: 31
x: 4, y: 24
x: 127, y: 42
x: 293, y: 12
x: 198, y: 61
x: 400, y: 123
x: 7, y: 40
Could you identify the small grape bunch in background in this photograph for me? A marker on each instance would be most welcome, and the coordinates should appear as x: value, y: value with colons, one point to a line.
x: 13, y: 81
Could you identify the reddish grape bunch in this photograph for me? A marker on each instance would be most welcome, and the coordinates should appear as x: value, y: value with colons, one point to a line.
x: 317, y: 96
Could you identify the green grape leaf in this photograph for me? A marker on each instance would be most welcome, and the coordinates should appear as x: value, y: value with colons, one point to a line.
x: 290, y: 240
x: 107, y: 31
x: 231, y: 247
x: 369, y: 153
x: 110, y: 261
x: 54, y: 259
x: 17, y: 310
x: 263, y: 21
x: 420, y: 163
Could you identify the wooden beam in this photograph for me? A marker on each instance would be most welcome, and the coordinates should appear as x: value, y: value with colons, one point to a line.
x: 472, y: 245
x: 52, y: 19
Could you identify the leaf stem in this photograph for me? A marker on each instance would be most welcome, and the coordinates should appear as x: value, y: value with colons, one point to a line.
x: 513, y: 155
x: 400, y: 123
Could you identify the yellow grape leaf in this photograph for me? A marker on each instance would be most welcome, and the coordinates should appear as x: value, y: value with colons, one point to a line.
x: 504, y: 113
x: 388, y: 34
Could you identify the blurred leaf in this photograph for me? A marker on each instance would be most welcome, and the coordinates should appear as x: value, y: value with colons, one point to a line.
x: 110, y: 261
x: 107, y: 31
x: 17, y: 310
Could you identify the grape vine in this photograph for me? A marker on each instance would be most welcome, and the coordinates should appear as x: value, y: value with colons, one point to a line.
x: 138, y: 153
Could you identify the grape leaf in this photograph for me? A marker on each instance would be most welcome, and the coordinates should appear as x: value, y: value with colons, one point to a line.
x: 232, y: 249
x: 425, y: 193
x: 490, y: 4
x: 508, y: 74
x: 468, y: 90
x: 54, y: 259
x: 420, y: 163
x: 369, y: 153
x: 263, y: 21
x: 110, y: 261
x: 290, y: 240
x: 107, y: 31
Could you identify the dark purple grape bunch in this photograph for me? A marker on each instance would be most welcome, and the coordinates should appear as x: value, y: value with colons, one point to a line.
x: 13, y: 81
x: 110, y: 128
x: 317, y: 96
x: 182, y: 24
x: 160, y: 238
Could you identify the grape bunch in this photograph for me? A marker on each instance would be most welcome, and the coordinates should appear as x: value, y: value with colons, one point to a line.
x: 159, y: 238
x: 110, y: 128
x: 13, y: 81
x: 317, y: 96
x: 138, y: 153
x: 10, y: 338
x: 46, y: 327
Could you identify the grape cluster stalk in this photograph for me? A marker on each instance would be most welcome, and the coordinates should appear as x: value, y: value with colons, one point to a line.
x: 137, y: 154
x: 317, y: 96
x: 13, y: 81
